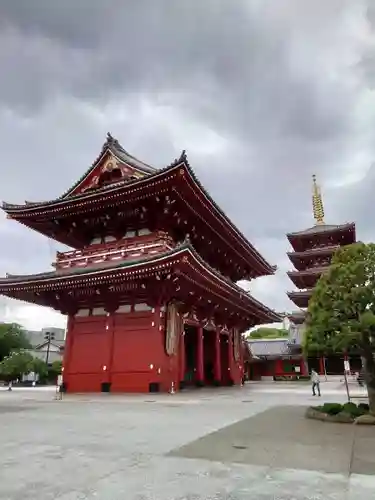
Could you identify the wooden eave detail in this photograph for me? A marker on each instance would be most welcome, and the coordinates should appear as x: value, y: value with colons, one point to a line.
x: 301, y: 297
x: 297, y: 317
x: 317, y: 232
x: 298, y: 277
x: 164, y: 180
x: 315, y: 252
x: 184, y: 260
x: 321, y: 229
x: 300, y: 293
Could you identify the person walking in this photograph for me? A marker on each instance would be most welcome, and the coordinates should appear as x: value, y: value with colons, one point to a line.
x: 315, y: 380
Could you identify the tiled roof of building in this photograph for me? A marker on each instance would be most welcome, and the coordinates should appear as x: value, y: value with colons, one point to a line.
x: 269, y: 347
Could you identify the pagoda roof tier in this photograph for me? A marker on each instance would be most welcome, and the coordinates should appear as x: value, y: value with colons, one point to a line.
x: 173, y: 193
x: 179, y: 274
x: 301, y: 297
x: 302, y: 260
x: 328, y: 234
x: 307, y: 278
x: 297, y: 317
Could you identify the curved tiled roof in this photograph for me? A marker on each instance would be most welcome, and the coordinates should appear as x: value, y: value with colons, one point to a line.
x: 322, y: 228
x: 306, y: 292
x: 270, y: 347
x: 307, y: 272
x: 313, y: 252
x: 101, y: 269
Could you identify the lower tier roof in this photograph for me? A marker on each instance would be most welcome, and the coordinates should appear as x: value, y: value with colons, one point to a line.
x: 180, y: 274
x: 301, y: 297
x: 297, y: 317
x: 308, y: 277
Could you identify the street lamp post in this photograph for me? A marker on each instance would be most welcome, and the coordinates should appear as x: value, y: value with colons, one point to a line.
x: 49, y: 336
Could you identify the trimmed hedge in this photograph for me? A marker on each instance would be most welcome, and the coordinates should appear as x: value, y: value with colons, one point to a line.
x: 349, y: 408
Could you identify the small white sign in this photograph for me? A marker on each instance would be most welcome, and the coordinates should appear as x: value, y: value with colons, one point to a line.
x: 346, y: 365
x: 297, y: 369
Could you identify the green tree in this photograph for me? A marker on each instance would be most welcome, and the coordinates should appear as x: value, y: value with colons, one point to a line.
x: 16, y: 365
x: 54, y: 371
x: 267, y: 333
x: 341, y: 313
x: 12, y: 338
x: 39, y: 367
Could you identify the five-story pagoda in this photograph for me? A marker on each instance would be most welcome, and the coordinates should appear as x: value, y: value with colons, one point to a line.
x: 149, y: 286
x: 313, y: 251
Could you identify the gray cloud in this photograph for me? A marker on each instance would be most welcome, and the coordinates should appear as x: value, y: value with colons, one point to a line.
x: 261, y: 94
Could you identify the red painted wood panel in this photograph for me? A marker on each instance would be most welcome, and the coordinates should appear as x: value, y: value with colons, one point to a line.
x: 90, y: 347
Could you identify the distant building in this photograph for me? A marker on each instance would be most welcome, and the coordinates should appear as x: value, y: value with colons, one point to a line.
x: 47, y: 344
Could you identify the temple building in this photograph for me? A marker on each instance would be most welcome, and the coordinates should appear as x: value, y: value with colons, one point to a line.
x: 149, y: 285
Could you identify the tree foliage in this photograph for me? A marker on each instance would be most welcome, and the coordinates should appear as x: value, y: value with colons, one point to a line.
x: 39, y: 367
x: 341, y: 313
x: 16, y: 365
x: 55, y: 370
x: 267, y: 333
x: 21, y: 363
x: 12, y: 338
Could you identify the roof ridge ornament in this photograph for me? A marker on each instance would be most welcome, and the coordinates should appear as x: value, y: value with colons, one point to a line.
x: 317, y: 203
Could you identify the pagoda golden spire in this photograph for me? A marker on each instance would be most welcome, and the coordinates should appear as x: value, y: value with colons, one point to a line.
x: 317, y: 202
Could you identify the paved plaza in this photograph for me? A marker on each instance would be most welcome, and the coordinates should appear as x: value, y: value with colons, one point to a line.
x: 232, y: 444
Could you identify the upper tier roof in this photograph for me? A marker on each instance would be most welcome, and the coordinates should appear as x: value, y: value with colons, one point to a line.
x: 300, y: 239
x: 322, y: 228
x: 178, y: 176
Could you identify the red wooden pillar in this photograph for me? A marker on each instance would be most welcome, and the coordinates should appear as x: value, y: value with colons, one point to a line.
x: 110, y: 330
x: 68, y: 347
x: 217, y: 366
x: 230, y: 355
x: 182, y: 357
x: 200, y: 361
x: 321, y: 366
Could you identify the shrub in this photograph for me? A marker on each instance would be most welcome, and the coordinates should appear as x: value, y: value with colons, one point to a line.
x: 353, y: 410
x: 332, y: 408
x: 348, y: 408
x: 364, y: 406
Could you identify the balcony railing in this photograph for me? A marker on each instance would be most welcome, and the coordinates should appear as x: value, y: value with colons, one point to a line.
x: 115, y: 251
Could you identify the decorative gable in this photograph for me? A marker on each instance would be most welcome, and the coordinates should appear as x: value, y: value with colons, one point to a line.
x: 108, y: 171
x: 113, y: 165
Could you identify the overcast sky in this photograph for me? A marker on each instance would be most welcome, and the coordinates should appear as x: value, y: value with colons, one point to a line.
x: 261, y: 94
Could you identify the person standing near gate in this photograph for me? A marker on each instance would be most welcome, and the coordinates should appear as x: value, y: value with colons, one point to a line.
x: 315, y: 380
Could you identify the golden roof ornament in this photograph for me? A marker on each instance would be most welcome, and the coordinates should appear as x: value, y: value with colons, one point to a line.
x: 317, y: 202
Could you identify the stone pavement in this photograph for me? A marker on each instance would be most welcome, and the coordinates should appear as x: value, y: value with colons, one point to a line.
x: 294, y: 443
x: 134, y: 448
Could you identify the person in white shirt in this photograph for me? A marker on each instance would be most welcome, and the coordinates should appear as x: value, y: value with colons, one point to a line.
x: 315, y: 380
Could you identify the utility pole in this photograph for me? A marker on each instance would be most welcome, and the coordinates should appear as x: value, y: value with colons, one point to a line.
x: 49, y: 336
